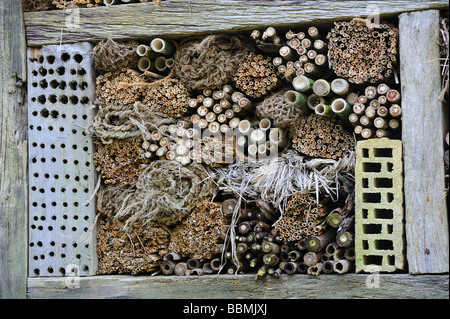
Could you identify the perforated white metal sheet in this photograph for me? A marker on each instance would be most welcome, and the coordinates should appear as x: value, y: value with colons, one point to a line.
x: 61, y: 172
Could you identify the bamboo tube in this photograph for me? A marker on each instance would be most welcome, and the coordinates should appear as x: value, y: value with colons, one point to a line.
x: 170, y: 62
x: 290, y: 267
x: 295, y: 98
x: 302, y: 268
x: 313, y: 100
x: 168, y: 267
x: 316, y: 243
x: 172, y: 256
x: 110, y: 2
x: 344, y: 239
x: 342, y: 266
x: 328, y: 267
x: 312, y: 69
x: 216, y: 264
x: 145, y: 64
x: 234, y: 122
x: 236, y: 96
x: 339, y: 254
x: 145, y: 51
x: 370, y: 112
x: 341, y: 108
x: 295, y: 255
x: 312, y: 258
x: 302, y: 83
x: 207, y: 268
x: 331, y: 248
x: 265, y: 124
x: 340, y: 86
x: 315, y: 269
x: 160, y: 64
x: 180, y: 269
x: 241, y: 248
x: 162, y: 46
x: 269, y: 247
x: 258, y: 136
x: 382, y: 111
x: 245, y: 103
x: 383, y: 89
x: 193, y: 263
x: 349, y: 253
x: 320, y: 60
x: 324, y: 110
x: 252, y: 150
x: 358, y: 129
x: 321, y: 87
x: 277, y: 137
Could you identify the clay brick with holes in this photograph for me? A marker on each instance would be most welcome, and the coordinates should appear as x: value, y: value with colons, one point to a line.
x: 61, y: 172
x: 379, y: 241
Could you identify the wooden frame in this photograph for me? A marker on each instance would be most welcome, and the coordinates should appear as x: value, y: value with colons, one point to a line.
x: 183, y: 18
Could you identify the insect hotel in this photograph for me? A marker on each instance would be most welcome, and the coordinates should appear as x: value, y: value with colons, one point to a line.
x: 268, y: 149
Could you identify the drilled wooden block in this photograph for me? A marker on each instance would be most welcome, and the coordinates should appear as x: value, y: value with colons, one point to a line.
x: 61, y: 173
x: 379, y: 242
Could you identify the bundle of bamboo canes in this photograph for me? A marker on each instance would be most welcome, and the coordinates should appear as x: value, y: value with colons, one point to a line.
x: 324, y: 137
x: 167, y: 96
x: 256, y: 76
x: 363, y: 52
x: 156, y: 58
x: 196, y: 236
x: 138, y: 252
x: 303, y: 217
x: 124, y: 86
x: 120, y: 162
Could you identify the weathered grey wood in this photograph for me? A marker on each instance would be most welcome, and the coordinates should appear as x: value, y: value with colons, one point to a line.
x: 61, y: 171
x: 181, y: 18
x: 244, y: 286
x: 422, y: 134
x: 13, y: 152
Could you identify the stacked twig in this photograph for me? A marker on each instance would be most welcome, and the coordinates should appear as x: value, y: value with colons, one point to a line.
x: 363, y: 52
x: 301, y: 53
x: 377, y: 112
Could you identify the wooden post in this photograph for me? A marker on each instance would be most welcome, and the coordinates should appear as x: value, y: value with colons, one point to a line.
x: 422, y: 134
x: 13, y: 152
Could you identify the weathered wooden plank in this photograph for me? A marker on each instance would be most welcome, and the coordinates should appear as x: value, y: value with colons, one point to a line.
x: 243, y: 286
x: 181, y: 18
x: 61, y: 87
x: 422, y: 134
x: 13, y: 152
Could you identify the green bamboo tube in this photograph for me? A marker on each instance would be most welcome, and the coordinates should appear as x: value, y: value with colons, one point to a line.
x: 145, y: 51
x: 341, y: 108
x: 296, y: 98
x: 160, y: 64
x: 145, y: 64
x: 162, y: 46
x: 324, y: 110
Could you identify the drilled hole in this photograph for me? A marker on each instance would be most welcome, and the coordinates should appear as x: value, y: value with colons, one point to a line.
x: 42, y: 99
x: 52, y: 98
x: 84, y: 100
x: 42, y: 71
x: 73, y: 85
x: 81, y: 72
x: 61, y: 70
x: 34, y: 84
x: 34, y: 72
x: 65, y: 56
x: 83, y: 85
x: 43, y: 84
x: 41, y: 59
x: 45, y: 113
x: 78, y: 58
x: 73, y: 71
x: 63, y: 99
x: 54, y: 114
x: 74, y: 99
x: 54, y: 84
x: 50, y: 59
